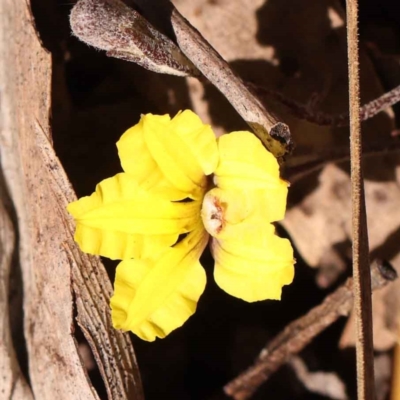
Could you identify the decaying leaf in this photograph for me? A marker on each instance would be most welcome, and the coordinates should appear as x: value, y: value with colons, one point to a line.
x: 324, y: 383
x: 113, y: 26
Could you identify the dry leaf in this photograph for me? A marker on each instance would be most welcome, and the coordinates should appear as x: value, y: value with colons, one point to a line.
x: 326, y: 384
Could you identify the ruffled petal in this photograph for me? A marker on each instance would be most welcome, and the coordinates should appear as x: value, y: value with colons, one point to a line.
x: 255, y: 265
x: 119, y: 245
x: 154, y: 296
x: 199, y: 137
x: 174, y: 158
x: 137, y: 161
x: 251, y: 262
x: 120, y: 220
x: 133, y: 153
x: 246, y: 165
x: 170, y: 157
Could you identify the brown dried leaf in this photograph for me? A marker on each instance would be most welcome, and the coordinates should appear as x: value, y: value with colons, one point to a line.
x: 326, y: 384
x: 112, y: 26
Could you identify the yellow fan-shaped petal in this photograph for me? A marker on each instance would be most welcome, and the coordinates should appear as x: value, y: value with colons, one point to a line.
x: 134, y: 155
x: 254, y: 264
x: 246, y: 165
x: 174, y: 158
x: 154, y: 296
x: 120, y: 245
x: 111, y: 220
x: 241, y: 153
x: 170, y: 157
x: 137, y: 161
x: 199, y: 137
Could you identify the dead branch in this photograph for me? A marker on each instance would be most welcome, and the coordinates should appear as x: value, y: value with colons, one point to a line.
x: 144, y: 48
x: 25, y: 76
x: 274, y: 134
x: 302, y: 111
x: 300, y: 332
x: 294, y: 173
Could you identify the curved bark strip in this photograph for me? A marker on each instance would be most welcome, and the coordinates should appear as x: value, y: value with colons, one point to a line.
x: 13, y: 385
x: 112, y: 349
x: 55, y: 367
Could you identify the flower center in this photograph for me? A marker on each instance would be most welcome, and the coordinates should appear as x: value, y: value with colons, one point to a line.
x: 212, y: 214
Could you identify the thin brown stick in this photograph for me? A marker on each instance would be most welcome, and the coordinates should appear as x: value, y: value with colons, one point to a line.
x: 361, y: 275
x: 302, y: 111
x: 275, y: 135
x: 294, y: 173
x: 300, y: 332
x: 395, y: 387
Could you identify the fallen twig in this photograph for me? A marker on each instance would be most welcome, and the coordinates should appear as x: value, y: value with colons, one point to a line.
x: 124, y: 33
x: 294, y: 173
x: 302, y: 331
x: 302, y: 111
x: 274, y: 134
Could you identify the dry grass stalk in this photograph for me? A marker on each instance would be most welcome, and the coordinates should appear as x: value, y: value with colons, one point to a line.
x: 395, y: 388
x: 361, y: 275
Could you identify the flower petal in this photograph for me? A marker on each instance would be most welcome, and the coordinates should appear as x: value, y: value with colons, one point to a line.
x: 137, y: 161
x: 155, y: 296
x: 199, y: 137
x: 255, y: 265
x: 119, y: 245
x: 246, y: 165
x: 174, y: 157
x: 111, y: 220
x: 170, y: 156
x: 134, y: 155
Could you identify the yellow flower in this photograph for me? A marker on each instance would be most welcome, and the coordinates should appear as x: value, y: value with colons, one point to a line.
x: 157, y: 217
